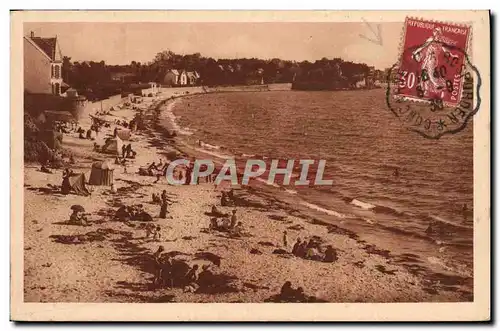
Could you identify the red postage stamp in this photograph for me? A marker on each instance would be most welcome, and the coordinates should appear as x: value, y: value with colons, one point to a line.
x: 432, y: 61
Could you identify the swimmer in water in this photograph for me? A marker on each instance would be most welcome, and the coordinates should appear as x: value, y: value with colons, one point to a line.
x: 396, y: 172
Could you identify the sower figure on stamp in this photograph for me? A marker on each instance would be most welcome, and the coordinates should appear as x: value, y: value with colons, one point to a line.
x: 429, y: 54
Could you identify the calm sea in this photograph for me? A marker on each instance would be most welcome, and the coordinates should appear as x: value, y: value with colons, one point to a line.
x: 362, y: 143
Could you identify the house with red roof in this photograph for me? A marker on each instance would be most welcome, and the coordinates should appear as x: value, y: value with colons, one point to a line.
x: 42, y: 65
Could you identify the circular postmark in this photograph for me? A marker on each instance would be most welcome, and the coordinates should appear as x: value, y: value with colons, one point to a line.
x: 434, y: 88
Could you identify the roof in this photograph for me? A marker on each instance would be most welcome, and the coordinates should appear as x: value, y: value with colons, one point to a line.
x: 192, y: 74
x: 174, y: 71
x: 47, y: 45
x: 103, y: 165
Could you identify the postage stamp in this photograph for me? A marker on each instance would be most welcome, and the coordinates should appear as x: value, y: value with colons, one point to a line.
x: 434, y: 87
x: 432, y: 61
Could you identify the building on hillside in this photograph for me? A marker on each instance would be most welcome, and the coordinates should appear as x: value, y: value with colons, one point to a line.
x: 171, y: 78
x: 183, y: 78
x: 42, y: 65
x: 180, y: 77
x: 193, y: 78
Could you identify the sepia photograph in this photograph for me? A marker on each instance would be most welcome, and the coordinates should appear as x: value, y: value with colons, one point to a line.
x: 249, y: 159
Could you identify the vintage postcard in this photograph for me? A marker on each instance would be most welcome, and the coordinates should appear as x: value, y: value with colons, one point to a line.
x: 250, y: 166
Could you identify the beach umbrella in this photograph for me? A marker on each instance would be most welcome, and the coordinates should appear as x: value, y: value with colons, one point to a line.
x: 78, y: 208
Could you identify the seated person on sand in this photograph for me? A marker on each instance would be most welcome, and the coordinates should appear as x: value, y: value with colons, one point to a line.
x: 81, y: 135
x: 296, y: 246
x: 288, y: 293
x: 224, y: 200
x: 157, y: 233
x: 216, y: 212
x: 191, y: 279
x: 238, y: 229
x: 312, y: 253
x: 78, y: 218
x: 214, y: 224
x: 156, y: 198
x: 301, y: 249
x: 152, y: 167
x: 148, y: 229
x: 330, y: 254
x: 230, y: 195
x: 43, y: 168
x: 225, y: 224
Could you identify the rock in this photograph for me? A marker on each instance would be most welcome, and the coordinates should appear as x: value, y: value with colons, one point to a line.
x: 255, y: 251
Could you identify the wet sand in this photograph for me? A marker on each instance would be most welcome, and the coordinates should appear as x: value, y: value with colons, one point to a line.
x: 111, y: 260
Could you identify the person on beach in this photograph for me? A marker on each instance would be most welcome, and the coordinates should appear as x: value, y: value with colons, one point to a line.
x: 238, y: 229
x: 77, y: 218
x: 128, y: 150
x: 287, y: 291
x: 164, y: 196
x: 230, y: 195
x: 191, y: 279
x: 89, y: 134
x: 330, y: 254
x: 157, y: 233
x: 113, y: 188
x: 301, y: 249
x: 224, y: 200
x: 296, y: 247
x: 124, y: 150
x: 115, y: 132
x: 148, y: 228
x: 285, y: 239
x: 158, y: 264
x: 233, y: 219
x: 189, y: 171
x: 164, y: 209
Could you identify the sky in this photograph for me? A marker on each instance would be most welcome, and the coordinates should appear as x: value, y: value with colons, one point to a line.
x: 121, y: 43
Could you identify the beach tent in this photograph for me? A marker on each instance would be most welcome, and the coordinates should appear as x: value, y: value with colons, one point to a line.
x: 113, y: 146
x: 123, y: 134
x: 76, y: 184
x: 101, y: 174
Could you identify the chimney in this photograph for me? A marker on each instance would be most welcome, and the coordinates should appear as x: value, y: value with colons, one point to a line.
x: 32, y: 34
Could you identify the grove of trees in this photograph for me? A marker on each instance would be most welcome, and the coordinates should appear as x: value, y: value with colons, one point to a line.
x: 96, y: 77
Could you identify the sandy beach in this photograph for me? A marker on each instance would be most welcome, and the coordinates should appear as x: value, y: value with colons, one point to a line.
x: 111, y: 261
